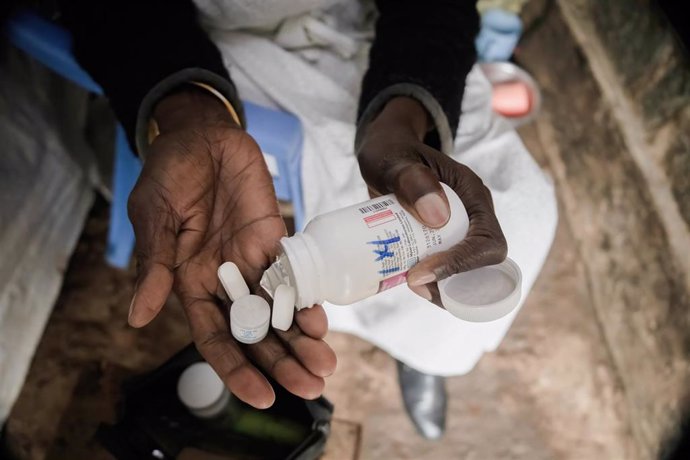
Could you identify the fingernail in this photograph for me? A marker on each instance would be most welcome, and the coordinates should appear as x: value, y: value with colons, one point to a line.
x: 265, y: 404
x: 419, y: 279
x: 422, y: 291
x: 432, y: 209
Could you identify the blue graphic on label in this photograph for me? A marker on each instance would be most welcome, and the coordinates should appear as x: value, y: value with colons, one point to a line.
x: 384, y: 251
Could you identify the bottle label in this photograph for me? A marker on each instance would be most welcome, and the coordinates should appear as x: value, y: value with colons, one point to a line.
x: 352, y: 253
x: 397, y: 240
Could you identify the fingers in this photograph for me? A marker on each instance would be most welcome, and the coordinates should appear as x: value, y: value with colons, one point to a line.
x: 315, y: 355
x: 484, y: 245
x: 312, y: 321
x: 155, y: 232
x: 214, y: 342
x: 476, y: 250
x: 271, y: 355
x: 296, y: 361
x: 393, y: 158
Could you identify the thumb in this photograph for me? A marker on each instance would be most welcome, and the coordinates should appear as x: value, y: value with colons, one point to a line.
x: 155, y: 253
x: 420, y: 192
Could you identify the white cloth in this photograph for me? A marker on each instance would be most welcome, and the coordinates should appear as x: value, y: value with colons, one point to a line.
x: 317, y: 86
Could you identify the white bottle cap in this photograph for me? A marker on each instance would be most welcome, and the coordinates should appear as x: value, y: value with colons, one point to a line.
x: 232, y: 281
x: 202, y: 391
x: 484, y: 294
x: 283, y: 307
x: 249, y: 318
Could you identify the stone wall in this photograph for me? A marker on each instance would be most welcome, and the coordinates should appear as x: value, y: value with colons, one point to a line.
x: 656, y: 74
x: 617, y: 117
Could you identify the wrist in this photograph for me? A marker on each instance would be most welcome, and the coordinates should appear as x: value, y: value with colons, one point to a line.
x: 402, y: 115
x: 189, y: 107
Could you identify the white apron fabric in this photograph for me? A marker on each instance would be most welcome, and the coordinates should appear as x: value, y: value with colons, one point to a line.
x: 319, y: 85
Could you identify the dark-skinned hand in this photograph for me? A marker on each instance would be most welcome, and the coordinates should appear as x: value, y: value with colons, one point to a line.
x: 394, y: 159
x: 204, y: 197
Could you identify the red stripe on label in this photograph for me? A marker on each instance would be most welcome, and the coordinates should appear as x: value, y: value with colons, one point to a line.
x: 379, y: 218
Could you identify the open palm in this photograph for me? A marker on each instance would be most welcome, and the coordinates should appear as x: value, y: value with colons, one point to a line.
x: 204, y: 197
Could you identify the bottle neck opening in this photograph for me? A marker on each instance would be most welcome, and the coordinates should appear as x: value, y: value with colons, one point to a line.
x: 303, y: 268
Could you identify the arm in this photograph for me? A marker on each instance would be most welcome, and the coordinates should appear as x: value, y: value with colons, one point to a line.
x: 424, y: 50
x: 409, y: 110
x: 204, y: 196
x: 138, y: 51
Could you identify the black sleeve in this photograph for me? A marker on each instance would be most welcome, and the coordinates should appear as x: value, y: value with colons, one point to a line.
x: 422, y: 49
x: 139, y: 50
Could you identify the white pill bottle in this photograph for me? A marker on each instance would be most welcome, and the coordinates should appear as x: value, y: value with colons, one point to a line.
x: 356, y: 252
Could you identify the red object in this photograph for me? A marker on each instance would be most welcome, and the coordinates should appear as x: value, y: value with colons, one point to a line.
x: 511, y: 99
x: 379, y: 218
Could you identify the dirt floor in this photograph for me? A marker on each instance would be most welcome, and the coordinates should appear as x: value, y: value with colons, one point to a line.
x: 549, y: 392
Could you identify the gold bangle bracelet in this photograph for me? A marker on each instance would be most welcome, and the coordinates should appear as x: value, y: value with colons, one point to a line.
x: 222, y: 98
x: 153, y: 130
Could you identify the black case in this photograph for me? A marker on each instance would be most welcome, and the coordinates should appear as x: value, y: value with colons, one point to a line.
x: 153, y: 423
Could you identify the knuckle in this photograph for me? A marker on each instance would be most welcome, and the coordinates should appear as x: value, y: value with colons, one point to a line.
x: 467, y: 173
x: 280, y: 358
x: 479, y: 185
x: 478, y: 251
x: 209, y: 340
x: 409, y: 177
x: 215, y: 345
x: 496, y: 248
x: 369, y: 166
x: 457, y: 263
x: 499, y: 252
x: 459, y: 259
x: 365, y: 166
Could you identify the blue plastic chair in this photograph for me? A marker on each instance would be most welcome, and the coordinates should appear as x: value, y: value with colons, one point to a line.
x: 279, y: 134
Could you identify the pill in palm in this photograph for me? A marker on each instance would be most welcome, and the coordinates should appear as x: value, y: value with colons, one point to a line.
x: 232, y: 281
x: 283, y: 307
x: 249, y: 314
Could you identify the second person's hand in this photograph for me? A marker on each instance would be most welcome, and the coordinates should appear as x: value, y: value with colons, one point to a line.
x: 204, y: 197
x: 394, y: 159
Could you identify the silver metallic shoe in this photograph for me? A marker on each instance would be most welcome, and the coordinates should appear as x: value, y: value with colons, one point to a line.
x: 425, y: 400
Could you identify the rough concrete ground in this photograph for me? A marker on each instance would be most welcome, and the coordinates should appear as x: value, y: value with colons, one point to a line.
x: 549, y: 392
